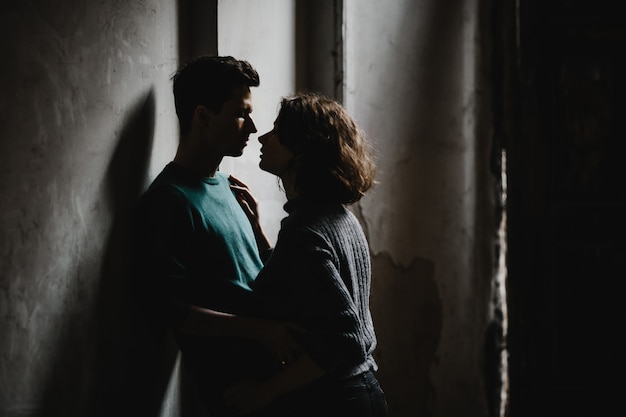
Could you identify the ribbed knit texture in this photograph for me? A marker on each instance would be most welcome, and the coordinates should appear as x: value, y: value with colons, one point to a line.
x: 319, y: 276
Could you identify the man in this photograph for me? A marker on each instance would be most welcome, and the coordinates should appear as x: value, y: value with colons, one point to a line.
x: 195, y: 250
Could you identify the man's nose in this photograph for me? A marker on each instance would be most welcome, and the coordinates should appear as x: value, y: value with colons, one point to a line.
x: 253, y: 126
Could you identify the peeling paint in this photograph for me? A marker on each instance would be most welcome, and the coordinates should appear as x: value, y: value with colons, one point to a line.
x: 408, y: 318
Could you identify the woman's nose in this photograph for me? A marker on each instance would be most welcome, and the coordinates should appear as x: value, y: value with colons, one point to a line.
x: 263, y: 138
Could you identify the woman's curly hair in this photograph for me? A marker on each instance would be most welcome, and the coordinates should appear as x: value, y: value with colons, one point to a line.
x: 334, y: 161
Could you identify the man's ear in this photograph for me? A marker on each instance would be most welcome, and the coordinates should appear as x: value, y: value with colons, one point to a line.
x: 201, y: 115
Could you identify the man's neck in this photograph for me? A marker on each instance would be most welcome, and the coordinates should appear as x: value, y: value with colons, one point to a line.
x: 205, y: 165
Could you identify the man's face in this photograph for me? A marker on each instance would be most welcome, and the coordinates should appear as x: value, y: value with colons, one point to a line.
x: 231, y: 127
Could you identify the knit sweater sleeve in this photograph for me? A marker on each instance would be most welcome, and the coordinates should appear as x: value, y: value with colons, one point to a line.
x: 304, y: 279
x: 335, y: 338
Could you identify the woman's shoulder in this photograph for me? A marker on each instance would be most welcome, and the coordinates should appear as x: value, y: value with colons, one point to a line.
x: 319, y: 221
x: 311, y: 212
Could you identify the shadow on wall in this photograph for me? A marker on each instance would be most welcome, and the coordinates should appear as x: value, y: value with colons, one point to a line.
x: 408, y: 317
x: 135, y: 358
x: 129, y: 362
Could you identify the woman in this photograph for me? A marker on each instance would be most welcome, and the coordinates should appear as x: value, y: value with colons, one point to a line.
x: 318, y: 275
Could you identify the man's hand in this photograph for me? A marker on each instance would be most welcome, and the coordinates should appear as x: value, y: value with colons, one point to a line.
x: 279, y: 339
x: 246, y: 397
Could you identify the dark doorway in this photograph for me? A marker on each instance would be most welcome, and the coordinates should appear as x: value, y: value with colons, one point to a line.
x: 560, y: 99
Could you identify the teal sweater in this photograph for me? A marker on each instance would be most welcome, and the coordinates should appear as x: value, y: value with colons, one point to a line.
x: 193, y: 244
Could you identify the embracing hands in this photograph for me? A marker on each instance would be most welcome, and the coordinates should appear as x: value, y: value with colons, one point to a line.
x: 247, y: 397
x: 278, y: 338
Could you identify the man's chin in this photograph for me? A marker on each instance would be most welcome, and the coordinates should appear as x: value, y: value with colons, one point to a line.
x: 235, y: 154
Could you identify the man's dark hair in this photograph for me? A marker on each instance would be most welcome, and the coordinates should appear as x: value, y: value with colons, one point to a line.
x: 208, y: 81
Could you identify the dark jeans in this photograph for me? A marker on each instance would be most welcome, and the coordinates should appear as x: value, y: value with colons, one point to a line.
x: 359, y: 396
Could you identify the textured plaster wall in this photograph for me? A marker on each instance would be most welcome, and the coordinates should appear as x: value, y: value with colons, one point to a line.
x: 86, y: 116
x: 415, y: 80
x: 86, y: 120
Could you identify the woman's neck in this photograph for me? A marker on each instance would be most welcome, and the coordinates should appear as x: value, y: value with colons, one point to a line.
x: 289, y: 186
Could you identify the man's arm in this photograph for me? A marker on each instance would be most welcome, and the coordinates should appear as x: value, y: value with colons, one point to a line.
x: 276, y: 337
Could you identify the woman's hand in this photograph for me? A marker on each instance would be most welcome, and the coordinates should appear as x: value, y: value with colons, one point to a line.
x: 246, y: 199
x: 250, y: 206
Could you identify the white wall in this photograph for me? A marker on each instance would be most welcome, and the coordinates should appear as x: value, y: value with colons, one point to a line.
x: 268, y: 43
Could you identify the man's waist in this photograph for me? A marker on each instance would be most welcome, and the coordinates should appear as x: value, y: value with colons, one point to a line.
x: 225, y: 360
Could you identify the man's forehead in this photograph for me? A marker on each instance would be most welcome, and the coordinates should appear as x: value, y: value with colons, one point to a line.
x: 241, y: 97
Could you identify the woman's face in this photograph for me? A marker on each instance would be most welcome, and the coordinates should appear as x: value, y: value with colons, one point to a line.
x: 275, y: 157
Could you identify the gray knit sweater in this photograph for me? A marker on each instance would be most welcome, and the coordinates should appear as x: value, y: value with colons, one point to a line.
x: 319, y: 276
